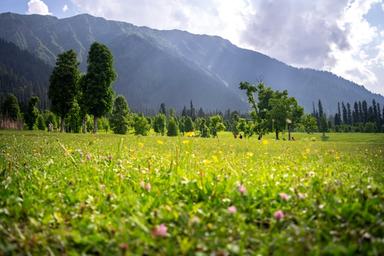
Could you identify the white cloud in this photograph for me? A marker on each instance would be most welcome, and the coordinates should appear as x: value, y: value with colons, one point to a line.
x: 359, y: 62
x: 38, y: 7
x: 65, y: 8
x: 327, y: 34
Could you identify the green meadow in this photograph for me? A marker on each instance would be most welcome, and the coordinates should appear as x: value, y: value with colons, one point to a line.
x: 104, y: 194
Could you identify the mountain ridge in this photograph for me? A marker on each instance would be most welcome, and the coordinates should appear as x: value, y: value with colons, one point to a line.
x: 204, y: 68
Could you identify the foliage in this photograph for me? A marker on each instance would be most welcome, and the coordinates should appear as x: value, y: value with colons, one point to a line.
x: 10, y: 108
x: 32, y: 112
x: 50, y: 118
x: 98, y: 82
x: 310, y: 124
x: 216, y: 125
x: 172, y: 127
x: 141, y: 125
x: 159, y: 124
x: 120, y: 116
x: 188, y: 124
x: 63, y: 88
x: 73, y: 120
x: 40, y: 122
x: 203, y: 127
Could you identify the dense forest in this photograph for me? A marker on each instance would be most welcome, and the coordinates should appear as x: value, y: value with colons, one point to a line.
x: 23, y: 75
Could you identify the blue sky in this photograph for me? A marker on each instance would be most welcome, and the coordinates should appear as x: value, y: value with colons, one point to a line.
x: 345, y: 37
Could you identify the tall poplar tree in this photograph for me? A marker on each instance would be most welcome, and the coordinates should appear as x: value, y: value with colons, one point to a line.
x: 98, y: 93
x: 63, y: 85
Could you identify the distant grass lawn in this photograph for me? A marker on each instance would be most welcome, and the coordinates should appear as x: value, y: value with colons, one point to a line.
x: 108, y: 194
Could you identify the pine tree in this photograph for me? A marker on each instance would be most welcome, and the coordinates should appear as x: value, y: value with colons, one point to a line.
x: 192, y: 111
x: 349, y: 114
x: 365, y: 111
x: 355, y: 115
x: 163, y: 109
x: 345, y: 114
x: 63, y: 88
x: 323, y: 124
x: 201, y: 113
x: 184, y: 112
x: 98, y: 82
x: 120, y: 115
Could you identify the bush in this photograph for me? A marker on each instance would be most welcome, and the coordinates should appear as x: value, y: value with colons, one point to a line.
x: 141, y: 125
x: 40, y: 123
x: 173, y: 128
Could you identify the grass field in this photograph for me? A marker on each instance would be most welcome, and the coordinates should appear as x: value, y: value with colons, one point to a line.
x: 110, y: 195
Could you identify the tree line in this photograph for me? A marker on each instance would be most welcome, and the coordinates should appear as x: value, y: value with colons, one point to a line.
x: 356, y: 117
x: 86, y: 102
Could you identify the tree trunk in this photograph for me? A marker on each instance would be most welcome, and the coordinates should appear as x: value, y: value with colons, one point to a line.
x: 84, y: 125
x: 95, y: 118
x: 260, y: 137
x: 62, y: 127
x: 277, y: 134
x: 289, y: 132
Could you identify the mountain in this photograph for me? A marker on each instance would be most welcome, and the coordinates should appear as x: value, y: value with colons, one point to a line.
x: 174, y: 66
x: 22, y: 74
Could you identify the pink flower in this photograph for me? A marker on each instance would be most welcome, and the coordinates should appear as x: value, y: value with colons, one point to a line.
x: 279, y: 215
x: 242, y: 189
x: 160, y: 231
x: 148, y: 187
x: 232, y: 209
x: 284, y: 196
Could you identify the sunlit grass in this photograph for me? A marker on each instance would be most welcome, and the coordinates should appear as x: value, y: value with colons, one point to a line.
x: 109, y: 194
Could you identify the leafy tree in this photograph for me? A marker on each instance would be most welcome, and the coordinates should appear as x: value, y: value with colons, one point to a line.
x: 63, y: 84
x: 103, y: 123
x: 159, y: 124
x: 172, y: 127
x: 310, y: 124
x: 141, y: 125
x: 73, y: 119
x: 233, y: 123
x: 32, y: 112
x: 98, y: 82
x: 50, y: 118
x: 120, y: 116
x: 10, y: 108
x: 40, y: 122
x: 216, y: 125
x: 246, y: 127
x: 203, y: 127
x: 260, y: 122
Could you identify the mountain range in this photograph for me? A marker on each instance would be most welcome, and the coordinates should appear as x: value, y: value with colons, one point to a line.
x: 174, y: 66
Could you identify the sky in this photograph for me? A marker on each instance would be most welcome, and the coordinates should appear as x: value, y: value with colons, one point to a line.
x: 345, y: 37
